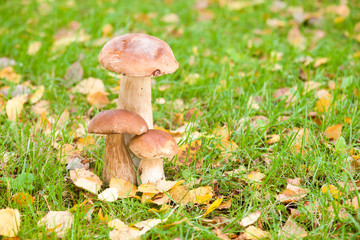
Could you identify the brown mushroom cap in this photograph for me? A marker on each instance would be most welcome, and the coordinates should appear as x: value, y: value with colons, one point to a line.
x: 117, y: 121
x: 154, y: 144
x: 138, y: 55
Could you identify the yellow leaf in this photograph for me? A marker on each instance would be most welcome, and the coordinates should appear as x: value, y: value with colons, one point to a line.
x: 98, y: 99
x: 292, y: 193
x: 187, y: 153
x: 320, y: 61
x: 256, y: 176
x: 37, y: 95
x: 86, y: 180
x: 34, y: 47
x: 180, y: 194
x: 22, y: 199
x: 213, y: 206
x: 296, y: 38
x: 57, y: 221
x: 124, y: 187
x: 274, y: 138
x: 117, y: 224
x: 323, y: 104
x: 109, y: 195
x: 148, y: 188
x: 333, y: 133
x: 200, y: 195
x: 9, y: 222
x: 85, y: 142
x: 64, y: 117
x: 338, y: 20
x: 101, y: 216
x: 13, y: 108
x: 255, y: 233
x: 335, y: 193
x: 89, y: 86
x: 10, y: 74
x: 107, y: 30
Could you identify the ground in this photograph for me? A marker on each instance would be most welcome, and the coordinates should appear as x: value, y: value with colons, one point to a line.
x: 275, y: 129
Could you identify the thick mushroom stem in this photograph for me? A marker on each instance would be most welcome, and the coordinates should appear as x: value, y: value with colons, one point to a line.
x: 151, y: 170
x: 117, y: 160
x: 135, y: 96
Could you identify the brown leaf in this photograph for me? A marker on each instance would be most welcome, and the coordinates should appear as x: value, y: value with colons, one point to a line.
x: 187, y: 153
x: 98, y: 99
x: 320, y: 61
x: 292, y: 230
x: 220, y: 234
x: 255, y: 233
x: 292, y: 194
x: 296, y: 38
x: 124, y: 187
x: 332, y: 133
x: 74, y: 73
x: 22, y: 199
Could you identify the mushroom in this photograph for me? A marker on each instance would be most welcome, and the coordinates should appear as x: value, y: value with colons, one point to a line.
x: 138, y: 57
x: 114, y: 123
x: 151, y: 147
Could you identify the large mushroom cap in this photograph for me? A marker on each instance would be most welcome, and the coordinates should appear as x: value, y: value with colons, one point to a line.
x: 154, y: 144
x: 139, y: 55
x: 117, y: 121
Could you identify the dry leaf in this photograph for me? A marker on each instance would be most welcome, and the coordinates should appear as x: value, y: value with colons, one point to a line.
x: 124, y: 187
x: 10, y: 74
x: 200, y: 195
x: 180, y: 194
x: 275, y: 23
x: 292, y: 194
x: 9, y: 222
x: 220, y: 234
x: 86, y: 180
x: 292, y: 230
x: 274, y: 138
x: 320, y: 61
x: 213, y: 206
x: 85, y: 142
x: 107, y: 30
x: 333, y: 133
x: 109, y: 195
x: 255, y: 176
x: 323, y: 104
x: 255, y: 233
x: 225, y: 205
x: 353, y: 202
x: 187, y: 153
x: 69, y: 36
x: 34, y: 47
x: 296, y: 38
x: 98, y: 99
x: 14, y: 107
x: 57, y: 221
x: 89, y: 86
x: 22, y: 199
x: 64, y: 117
x: 37, y: 95
x: 170, y: 18
x: 334, y: 192
x: 250, y: 219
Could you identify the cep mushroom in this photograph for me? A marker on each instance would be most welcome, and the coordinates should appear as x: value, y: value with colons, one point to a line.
x: 114, y: 123
x: 138, y: 57
x: 152, y: 147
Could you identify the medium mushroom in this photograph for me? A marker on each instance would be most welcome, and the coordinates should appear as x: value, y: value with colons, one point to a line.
x: 138, y: 57
x: 114, y: 123
x: 152, y: 147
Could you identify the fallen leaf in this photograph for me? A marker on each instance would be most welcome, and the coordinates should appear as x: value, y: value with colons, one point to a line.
x: 225, y: 205
x: 353, y: 203
x: 255, y: 176
x: 86, y: 180
x: 170, y: 18
x: 9, y: 222
x: 296, y: 38
x: 220, y: 234
x: 89, y: 86
x: 180, y: 194
x: 255, y: 233
x: 107, y: 30
x: 85, y: 142
x: 22, y: 199
x: 334, y: 192
x: 98, y: 99
x: 37, y: 95
x: 14, y: 107
x: 292, y: 194
x: 332, y: 133
x: 213, y: 206
x: 187, y: 153
x: 250, y: 219
x: 34, y: 47
x: 292, y: 230
x: 200, y: 195
x: 124, y: 187
x: 109, y: 195
x: 275, y: 23
x: 320, y: 61
x: 57, y: 221
x: 64, y: 117
x: 10, y: 74
x: 74, y: 73
x: 65, y: 37
x: 274, y: 138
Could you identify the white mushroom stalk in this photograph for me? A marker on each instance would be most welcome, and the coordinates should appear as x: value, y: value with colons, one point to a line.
x: 151, y: 170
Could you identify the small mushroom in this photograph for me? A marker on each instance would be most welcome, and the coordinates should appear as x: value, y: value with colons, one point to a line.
x: 114, y: 123
x: 152, y: 147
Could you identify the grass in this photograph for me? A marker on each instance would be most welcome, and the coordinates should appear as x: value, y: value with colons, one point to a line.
x: 230, y: 72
